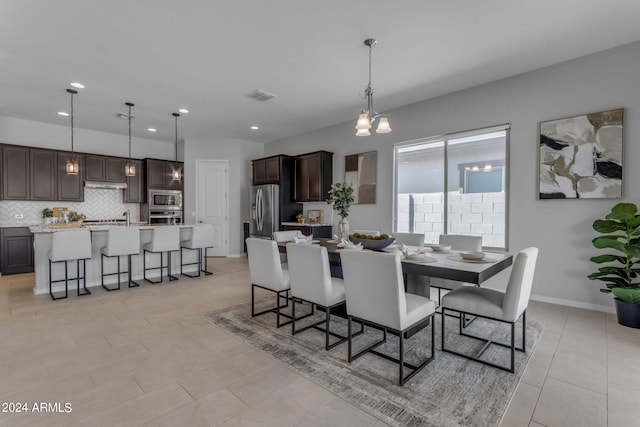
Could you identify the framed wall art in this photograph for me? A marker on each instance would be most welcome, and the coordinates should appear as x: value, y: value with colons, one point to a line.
x: 581, y: 157
x: 314, y: 216
x: 360, y: 171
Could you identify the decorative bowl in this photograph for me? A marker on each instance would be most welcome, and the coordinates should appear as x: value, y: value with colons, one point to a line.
x: 472, y: 256
x: 440, y: 248
x: 373, y: 244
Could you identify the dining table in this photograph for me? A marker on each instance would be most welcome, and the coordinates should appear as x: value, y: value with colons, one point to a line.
x: 443, y: 264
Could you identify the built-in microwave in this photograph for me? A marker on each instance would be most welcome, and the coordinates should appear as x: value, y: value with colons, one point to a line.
x: 165, y: 200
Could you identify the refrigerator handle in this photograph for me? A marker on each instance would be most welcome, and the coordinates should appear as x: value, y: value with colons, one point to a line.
x: 259, y: 209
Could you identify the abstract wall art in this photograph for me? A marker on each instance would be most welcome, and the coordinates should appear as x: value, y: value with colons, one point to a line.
x: 581, y: 157
x: 360, y: 170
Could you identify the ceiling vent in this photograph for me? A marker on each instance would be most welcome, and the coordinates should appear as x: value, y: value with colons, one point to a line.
x: 260, y: 95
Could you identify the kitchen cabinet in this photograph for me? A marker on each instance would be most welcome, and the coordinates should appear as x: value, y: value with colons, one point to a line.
x: 160, y: 174
x: 70, y: 188
x: 16, y: 184
x: 315, y: 230
x: 313, y: 176
x: 135, y: 191
x: 16, y: 254
x: 104, y: 168
x: 271, y: 170
x: 42, y: 174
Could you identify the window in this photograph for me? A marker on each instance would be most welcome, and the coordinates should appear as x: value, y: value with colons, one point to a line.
x: 464, y: 172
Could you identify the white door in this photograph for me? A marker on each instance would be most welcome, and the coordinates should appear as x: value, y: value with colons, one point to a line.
x: 211, y: 201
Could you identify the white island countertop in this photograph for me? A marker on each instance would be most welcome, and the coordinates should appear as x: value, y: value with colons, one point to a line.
x: 100, y: 227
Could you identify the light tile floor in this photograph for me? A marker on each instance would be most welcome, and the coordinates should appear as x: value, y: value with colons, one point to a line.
x: 146, y: 356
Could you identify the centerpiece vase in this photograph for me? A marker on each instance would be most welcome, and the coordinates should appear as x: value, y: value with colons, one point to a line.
x: 343, y: 228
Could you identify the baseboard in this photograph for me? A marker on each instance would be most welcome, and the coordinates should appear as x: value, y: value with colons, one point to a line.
x: 574, y: 304
x: 243, y: 255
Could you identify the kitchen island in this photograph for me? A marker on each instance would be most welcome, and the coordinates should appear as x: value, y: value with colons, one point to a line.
x: 42, y: 246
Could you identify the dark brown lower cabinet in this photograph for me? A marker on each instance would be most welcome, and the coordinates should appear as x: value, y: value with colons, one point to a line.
x: 316, y: 230
x: 16, y: 252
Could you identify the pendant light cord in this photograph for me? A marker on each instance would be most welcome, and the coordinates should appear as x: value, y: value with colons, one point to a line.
x: 130, y: 105
x: 71, y: 123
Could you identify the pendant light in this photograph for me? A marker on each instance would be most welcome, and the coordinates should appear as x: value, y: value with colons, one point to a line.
x: 72, y: 167
x: 368, y: 116
x: 129, y: 167
x: 175, y: 173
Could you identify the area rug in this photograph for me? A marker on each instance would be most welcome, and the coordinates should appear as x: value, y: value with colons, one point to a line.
x: 450, y: 391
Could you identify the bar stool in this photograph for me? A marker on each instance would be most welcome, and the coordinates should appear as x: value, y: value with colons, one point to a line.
x: 120, y: 241
x: 69, y: 246
x: 203, y: 237
x: 164, y: 239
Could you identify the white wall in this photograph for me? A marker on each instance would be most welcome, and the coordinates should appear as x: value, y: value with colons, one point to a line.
x: 58, y: 137
x: 239, y: 154
x: 560, y: 228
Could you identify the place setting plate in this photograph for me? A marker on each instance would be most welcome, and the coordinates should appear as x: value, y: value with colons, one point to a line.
x: 471, y: 257
x: 439, y: 249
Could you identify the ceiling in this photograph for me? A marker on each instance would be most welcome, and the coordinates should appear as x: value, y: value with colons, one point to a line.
x: 208, y: 55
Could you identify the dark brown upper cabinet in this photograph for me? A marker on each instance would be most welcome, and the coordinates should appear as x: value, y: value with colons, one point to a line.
x: 16, y: 183
x: 160, y: 174
x: 70, y: 188
x: 271, y: 170
x: 43, y: 174
x: 104, y: 169
x: 135, y: 191
x: 313, y: 176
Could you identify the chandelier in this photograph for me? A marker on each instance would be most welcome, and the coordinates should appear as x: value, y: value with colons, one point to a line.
x: 369, y: 115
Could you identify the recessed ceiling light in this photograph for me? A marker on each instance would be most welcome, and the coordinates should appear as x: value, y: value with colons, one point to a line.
x: 152, y: 130
x: 254, y: 127
x: 77, y: 85
x: 183, y: 111
x: 63, y: 114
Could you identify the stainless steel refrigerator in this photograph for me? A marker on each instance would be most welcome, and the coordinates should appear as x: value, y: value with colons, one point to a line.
x: 264, y: 217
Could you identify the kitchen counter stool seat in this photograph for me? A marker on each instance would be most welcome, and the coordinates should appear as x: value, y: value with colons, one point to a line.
x: 70, y: 246
x: 120, y: 242
x: 163, y: 239
x: 203, y: 237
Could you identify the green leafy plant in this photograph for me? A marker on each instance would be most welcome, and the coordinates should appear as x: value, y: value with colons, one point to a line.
x: 341, y: 197
x: 47, y: 213
x: 621, y: 233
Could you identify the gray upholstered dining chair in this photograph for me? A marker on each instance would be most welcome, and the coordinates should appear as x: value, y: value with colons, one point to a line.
x: 458, y: 242
x: 375, y: 295
x: 311, y: 282
x: 487, y: 303
x: 267, y: 273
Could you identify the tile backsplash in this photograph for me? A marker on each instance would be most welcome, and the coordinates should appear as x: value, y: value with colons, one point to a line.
x: 98, y: 204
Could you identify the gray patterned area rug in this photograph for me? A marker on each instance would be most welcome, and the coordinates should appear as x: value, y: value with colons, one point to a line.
x: 450, y: 391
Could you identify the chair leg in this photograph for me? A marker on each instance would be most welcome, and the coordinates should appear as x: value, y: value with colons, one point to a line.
x: 51, y: 281
x: 171, y: 276
x: 132, y: 284
x: 204, y: 270
x: 145, y: 269
x: 85, y: 291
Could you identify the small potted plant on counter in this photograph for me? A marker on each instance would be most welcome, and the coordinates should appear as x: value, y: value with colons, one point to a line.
x: 300, y: 218
x: 621, y: 229
x: 47, y: 215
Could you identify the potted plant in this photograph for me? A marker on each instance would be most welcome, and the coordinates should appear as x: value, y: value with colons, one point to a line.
x: 47, y: 214
x: 621, y: 233
x: 341, y: 197
x: 300, y: 218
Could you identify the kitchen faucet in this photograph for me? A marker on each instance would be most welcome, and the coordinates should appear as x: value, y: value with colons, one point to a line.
x: 127, y: 216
